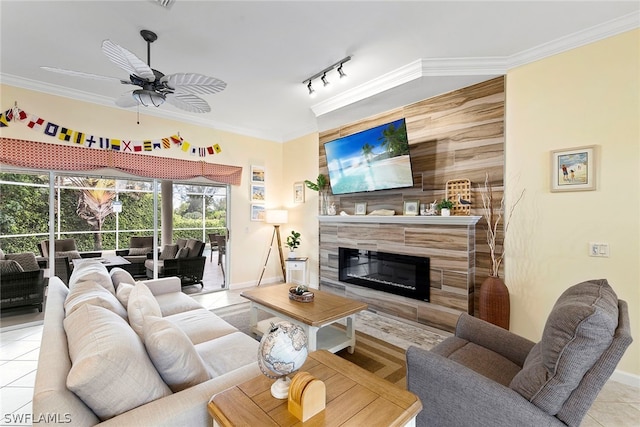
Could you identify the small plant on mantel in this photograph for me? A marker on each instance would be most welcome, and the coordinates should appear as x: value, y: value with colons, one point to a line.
x: 494, y: 216
x: 319, y: 186
x: 445, y: 204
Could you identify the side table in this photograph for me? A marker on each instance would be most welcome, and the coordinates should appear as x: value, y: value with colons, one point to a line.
x: 354, y: 397
x: 296, y: 264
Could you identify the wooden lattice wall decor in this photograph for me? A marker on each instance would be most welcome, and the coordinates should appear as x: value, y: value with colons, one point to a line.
x: 461, y: 188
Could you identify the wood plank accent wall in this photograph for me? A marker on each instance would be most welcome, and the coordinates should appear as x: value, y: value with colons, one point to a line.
x: 457, y: 135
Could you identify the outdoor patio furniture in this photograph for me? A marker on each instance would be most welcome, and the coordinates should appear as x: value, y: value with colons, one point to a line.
x: 188, y: 263
x: 21, y: 281
x: 136, y: 254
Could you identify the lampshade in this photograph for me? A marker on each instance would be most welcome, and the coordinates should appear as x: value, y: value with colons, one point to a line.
x: 148, y: 97
x: 277, y: 216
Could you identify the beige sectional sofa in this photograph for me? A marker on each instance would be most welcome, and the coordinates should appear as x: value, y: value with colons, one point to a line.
x: 117, y: 352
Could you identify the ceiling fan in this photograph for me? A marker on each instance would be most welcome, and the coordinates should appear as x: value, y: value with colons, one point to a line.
x: 155, y: 88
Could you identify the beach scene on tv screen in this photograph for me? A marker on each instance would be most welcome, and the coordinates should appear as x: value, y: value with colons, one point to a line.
x: 374, y: 159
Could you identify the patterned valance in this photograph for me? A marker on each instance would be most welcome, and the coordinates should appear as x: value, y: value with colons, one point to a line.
x: 41, y: 155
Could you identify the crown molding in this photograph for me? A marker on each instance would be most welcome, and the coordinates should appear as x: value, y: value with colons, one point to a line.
x: 475, y: 66
x: 179, y: 116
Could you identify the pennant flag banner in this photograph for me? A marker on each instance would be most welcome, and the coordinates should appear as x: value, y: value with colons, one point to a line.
x: 93, y: 141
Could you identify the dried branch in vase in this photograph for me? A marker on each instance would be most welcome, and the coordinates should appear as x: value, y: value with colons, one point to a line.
x: 494, y: 216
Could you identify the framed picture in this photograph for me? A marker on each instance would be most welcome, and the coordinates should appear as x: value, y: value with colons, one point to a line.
x: 361, y: 208
x: 573, y: 169
x: 411, y: 207
x: 257, y: 174
x: 298, y: 192
x: 257, y: 212
x: 257, y: 193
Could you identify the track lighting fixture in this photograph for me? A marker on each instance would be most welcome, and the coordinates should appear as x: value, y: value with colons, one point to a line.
x: 323, y: 75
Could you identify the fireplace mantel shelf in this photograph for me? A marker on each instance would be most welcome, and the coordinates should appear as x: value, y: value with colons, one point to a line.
x: 401, y: 219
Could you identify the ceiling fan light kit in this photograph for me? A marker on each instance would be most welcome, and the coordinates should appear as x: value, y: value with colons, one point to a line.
x: 156, y: 88
x: 323, y: 76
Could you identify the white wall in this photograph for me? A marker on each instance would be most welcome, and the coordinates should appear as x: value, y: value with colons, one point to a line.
x: 586, y: 96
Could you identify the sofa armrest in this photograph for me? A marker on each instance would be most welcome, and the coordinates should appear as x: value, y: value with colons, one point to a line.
x: 494, y: 338
x: 164, y: 285
x: 187, y: 407
x: 453, y: 394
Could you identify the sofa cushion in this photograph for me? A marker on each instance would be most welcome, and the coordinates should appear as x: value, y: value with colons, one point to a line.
x: 141, y: 304
x: 578, y: 330
x: 8, y: 266
x: 92, y: 270
x: 27, y: 260
x: 73, y: 254
x: 173, y: 354
x: 140, y: 251
x: 169, y: 252
x: 181, y: 243
x: 120, y: 275
x: 182, y: 253
x: 176, y: 302
x: 89, y: 292
x: 123, y: 292
x: 228, y: 353
x: 201, y: 325
x: 111, y: 371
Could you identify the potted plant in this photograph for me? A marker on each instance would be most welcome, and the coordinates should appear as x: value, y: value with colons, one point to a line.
x: 319, y: 186
x: 293, y: 241
x: 445, y: 206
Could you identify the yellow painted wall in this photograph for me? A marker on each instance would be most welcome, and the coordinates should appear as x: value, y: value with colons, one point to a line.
x: 300, y: 164
x: 586, y: 96
x: 249, y: 239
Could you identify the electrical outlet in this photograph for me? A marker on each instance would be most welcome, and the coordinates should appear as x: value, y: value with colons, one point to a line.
x: 599, y: 250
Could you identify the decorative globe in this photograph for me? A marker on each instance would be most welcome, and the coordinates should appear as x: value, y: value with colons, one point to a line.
x: 282, y: 350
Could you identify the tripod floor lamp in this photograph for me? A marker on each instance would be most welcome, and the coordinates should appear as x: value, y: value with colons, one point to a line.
x: 276, y: 217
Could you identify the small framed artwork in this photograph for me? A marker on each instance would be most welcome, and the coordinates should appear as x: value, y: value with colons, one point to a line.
x: 298, y: 192
x: 573, y: 169
x: 411, y: 207
x: 257, y: 193
x: 257, y: 212
x: 257, y: 174
x: 361, y: 208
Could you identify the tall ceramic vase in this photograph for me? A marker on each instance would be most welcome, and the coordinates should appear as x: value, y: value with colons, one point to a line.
x: 494, y: 306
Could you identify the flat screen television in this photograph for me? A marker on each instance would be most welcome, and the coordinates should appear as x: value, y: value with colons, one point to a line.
x: 374, y: 159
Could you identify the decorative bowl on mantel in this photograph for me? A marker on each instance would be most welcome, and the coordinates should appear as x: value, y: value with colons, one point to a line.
x: 304, y: 296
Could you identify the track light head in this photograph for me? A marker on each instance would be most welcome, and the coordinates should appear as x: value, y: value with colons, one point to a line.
x: 341, y: 72
x: 325, y: 82
x: 312, y: 92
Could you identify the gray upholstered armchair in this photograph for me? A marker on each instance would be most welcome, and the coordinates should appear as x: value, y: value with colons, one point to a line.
x: 485, y: 375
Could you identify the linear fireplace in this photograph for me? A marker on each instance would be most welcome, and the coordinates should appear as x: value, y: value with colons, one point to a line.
x: 398, y: 274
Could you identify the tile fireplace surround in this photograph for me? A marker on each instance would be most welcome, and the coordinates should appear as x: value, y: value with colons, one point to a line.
x: 449, y: 242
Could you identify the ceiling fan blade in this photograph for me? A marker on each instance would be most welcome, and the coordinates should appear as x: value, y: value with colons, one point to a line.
x: 188, y: 102
x: 126, y: 100
x: 127, y: 61
x: 85, y: 75
x: 193, y: 83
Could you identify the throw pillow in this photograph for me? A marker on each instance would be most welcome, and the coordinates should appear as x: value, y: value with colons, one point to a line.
x: 183, y: 253
x: 110, y: 369
x: 169, y: 252
x: 139, y: 251
x: 123, y: 293
x: 141, y: 304
x: 68, y: 254
x: 173, y: 354
x: 92, y: 270
x: 92, y: 293
x: 119, y: 275
x: 27, y: 260
x: 8, y: 266
x: 579, y: 329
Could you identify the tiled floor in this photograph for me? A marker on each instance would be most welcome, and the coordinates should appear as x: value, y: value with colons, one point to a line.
x: 618, y: 405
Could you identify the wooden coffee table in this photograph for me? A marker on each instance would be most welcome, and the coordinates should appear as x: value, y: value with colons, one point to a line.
x: 316, y: 317
x: 355, y: 397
